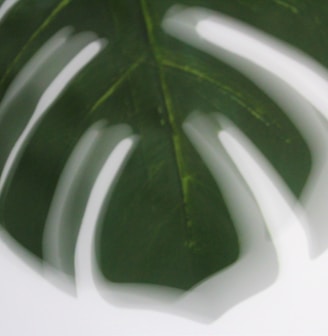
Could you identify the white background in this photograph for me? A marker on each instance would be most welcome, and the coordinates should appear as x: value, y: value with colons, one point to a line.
x: 30, y: 305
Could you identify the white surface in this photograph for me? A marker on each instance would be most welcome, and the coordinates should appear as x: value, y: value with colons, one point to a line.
x: 30, y: 305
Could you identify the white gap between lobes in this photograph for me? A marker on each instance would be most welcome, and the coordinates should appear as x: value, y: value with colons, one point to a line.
x: 85, y: 249
x: 49, y: 96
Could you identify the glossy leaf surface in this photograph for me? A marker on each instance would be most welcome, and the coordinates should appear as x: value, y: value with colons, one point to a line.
x: 166, y: 221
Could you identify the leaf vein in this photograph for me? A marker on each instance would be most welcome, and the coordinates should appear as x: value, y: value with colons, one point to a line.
x: 44, y: 24
x: 176, y: 140
x: 116, y: 84
x: 232, y: 94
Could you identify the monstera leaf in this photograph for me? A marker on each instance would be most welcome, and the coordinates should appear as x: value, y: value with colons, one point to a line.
x: 166, y: 220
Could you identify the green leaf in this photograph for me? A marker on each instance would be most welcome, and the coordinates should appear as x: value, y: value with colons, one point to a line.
x: 166, y: 222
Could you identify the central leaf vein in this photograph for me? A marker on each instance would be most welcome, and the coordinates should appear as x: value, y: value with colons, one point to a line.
x: 176, y: 139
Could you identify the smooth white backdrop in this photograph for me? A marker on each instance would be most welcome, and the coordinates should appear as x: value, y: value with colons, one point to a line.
x: 30, y: 305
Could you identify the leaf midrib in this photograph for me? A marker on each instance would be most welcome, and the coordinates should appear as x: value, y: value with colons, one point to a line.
x: 176, y: 142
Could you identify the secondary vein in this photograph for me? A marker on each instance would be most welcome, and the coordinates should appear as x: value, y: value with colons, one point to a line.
x: 44, y: 24
x: 226, y: 89
x: 117, y: 84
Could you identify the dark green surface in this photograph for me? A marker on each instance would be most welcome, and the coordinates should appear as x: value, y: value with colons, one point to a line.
x: 166, y: 222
